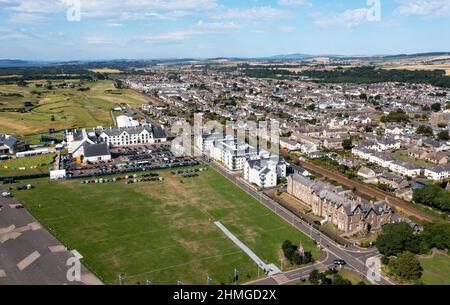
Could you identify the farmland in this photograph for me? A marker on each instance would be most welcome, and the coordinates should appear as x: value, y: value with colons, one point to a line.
x: 162, y: 231
x: 61, y: 107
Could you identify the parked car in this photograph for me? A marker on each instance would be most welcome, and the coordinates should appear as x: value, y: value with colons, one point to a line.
x: 340, y: 262
x: 6, y: 194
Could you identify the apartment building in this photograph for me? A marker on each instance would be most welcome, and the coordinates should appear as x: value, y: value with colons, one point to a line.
x: 348, y: 212
x: 265, y: 172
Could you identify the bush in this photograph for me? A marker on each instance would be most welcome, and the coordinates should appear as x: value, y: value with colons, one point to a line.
x: 385, y: 260
x: 434, y: 196
x: 406, y: 266
x: 443, y: 135
x: 396, y: 238
x: 424, y: 130
x: 291, y: 252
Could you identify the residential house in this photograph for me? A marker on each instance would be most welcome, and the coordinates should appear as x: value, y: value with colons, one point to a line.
x: 366, y: 173
x: 333, y: 143
x: 265, y: 172
x: 289, y: 144
x: 438, y: 173
x: 395, y: 182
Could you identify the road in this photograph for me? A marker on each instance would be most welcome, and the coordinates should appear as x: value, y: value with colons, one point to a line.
x: 363, y: 189
x: 29, y: 254
x: 355, y: 258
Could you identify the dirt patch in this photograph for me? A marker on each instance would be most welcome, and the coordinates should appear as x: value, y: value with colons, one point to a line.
x: 190, y: 245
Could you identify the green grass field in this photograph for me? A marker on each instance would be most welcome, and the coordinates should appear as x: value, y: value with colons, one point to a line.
x: 26, y: 166
x: 353, y: 276
x: 68, y: 107
x: 162, y: 231
x: 436, y: 270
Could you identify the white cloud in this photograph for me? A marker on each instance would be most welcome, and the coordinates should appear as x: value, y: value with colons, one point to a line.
x: 27, y: 18
x: 294, y: 2
x: 348, y: 18
x: 136, y: 9
x: 8, y: 34
x: 216, y: 26
x: 198, y: 29
x: 114, y: 24
x: 286, y: 29
x: 424, y: 8
x: 98, y: 40
x: 38, y: 6
x: 8, y: 3
x: 254, y: 13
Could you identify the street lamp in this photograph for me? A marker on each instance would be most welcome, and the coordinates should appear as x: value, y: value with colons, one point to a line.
x: 120, y: 277
x: 236, y: 272
x: 208, y: 279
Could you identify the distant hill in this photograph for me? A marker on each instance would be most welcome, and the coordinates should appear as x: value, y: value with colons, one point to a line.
x: 296, y: 56
x: 411, y: 56
x: 15, y: 63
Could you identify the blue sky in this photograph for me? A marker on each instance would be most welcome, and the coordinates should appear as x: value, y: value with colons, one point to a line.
x: 110, y: 29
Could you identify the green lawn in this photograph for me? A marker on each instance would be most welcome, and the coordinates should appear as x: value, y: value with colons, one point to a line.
x: 62, y: 108
x: 436, y: 270
x: 353, y: 276
x: 26, y: 166
x: 162, y: 231
x: 402, y: 155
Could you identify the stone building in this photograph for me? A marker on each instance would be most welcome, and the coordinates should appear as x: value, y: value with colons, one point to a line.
x: 348, y: 212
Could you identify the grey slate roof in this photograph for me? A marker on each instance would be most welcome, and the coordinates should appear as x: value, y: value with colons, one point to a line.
x: 9, y: 141
x: 336, y: 196
x: 94, y: 150
x: 158, y: 132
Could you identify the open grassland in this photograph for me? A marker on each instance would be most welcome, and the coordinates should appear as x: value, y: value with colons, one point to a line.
x: 162, y: 231
x: 61, y: 108
x: 26, y: 166
x: 436, y: 270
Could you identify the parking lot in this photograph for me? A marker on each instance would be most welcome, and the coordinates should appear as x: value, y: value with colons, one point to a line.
x: 29, y: 254
x: 130, y: 159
